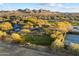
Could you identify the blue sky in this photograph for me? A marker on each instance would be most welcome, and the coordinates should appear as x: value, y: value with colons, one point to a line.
x: 60, y: 7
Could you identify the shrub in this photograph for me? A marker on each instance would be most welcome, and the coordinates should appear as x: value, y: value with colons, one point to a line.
x: 28, y: 25
x: 57, y: 44
x: 25, y: 30
x: 74, y: 46
x: 73, y: 49
x: 75, y: 23
x: 63, y: 26
x: 55, y: 34
x: 59, y: 35
x: 6, y: 26
x: 16, y: 37
x: 58, y: 40
x: 38, y: 39
x: 2, y: 34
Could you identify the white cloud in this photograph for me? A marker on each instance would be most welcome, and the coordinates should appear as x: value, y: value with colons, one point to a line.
x: 70, y: 9
x: 56, y: 4
x: 52, y: 4
x: 60, y: 5
x: 64, y: 8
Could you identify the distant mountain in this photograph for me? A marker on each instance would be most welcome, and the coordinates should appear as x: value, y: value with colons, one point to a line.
x: 42, y: 14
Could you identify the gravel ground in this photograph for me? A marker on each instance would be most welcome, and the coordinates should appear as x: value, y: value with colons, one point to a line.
x: 15, y: 50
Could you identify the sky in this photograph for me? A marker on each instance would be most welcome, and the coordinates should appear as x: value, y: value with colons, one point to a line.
x: 58, y: 7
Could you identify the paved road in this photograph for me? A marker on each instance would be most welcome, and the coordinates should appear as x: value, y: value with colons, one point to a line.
x: 14, y: 50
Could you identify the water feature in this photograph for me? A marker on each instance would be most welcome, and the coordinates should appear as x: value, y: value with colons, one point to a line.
x: 72, y: 38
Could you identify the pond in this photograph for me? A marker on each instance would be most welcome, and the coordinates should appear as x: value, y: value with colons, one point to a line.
x: 72, y: 38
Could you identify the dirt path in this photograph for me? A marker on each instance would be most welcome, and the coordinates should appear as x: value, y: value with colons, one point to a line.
x: 15, y: 50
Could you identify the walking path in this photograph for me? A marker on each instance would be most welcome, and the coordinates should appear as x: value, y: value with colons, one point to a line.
x: 15, y: 50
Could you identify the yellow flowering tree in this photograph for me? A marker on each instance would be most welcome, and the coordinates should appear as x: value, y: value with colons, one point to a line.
x: 6, y: 26
x: 28, y: 25
x: 2, y: 34
x: 41, y: 22
x: 61, y: 29
x: 58, y: 39
x: 32, y: 19
x: 25, y: 30
x: 38, y: 22
x: 16, y: 37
